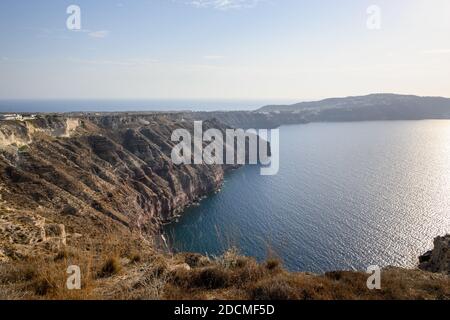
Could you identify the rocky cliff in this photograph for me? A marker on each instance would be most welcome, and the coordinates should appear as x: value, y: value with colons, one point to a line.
x: 438, y: 259
x: 93, y: 175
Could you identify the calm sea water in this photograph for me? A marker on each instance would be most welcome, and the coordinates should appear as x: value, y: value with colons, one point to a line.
x: 131, y: 105
x: 348, y: 195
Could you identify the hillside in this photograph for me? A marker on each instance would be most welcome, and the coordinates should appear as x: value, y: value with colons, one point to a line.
x: 367, y: 108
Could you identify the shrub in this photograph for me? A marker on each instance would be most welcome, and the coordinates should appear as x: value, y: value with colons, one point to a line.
x: 135, y: 257
x: 180, y: 278
x: 111, y: 267
x: 158, y: 266
x: 43, y: 286
x: 211, y: 278
x: 62, y: 255
x: 207, y: 278
x: 273, y: 289
x: 249, y: 272
x: 195, y: 260
x: 273, y: 264
x: 69, y: 210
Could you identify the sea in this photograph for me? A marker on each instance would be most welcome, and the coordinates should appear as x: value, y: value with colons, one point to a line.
x: 347, y: 196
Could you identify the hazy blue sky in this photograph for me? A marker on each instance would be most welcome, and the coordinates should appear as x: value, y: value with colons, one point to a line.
x: 223, y: 49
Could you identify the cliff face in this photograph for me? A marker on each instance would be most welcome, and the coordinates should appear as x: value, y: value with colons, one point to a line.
x: 93, y: 175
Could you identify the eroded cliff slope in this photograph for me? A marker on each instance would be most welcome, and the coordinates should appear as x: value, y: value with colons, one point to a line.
x: 92, y: 176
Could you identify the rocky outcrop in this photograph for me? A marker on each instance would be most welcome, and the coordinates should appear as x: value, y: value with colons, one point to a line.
x: 25, y: 233
x: 22, y: 133
x: 438, y: 259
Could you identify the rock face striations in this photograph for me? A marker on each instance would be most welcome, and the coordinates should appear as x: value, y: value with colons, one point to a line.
x: 84, y: 176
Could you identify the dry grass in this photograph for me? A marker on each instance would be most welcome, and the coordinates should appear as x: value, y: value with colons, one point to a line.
x: 236, y: 277
x: 135, y: 257
x: 192, y: 276
x: 276, y: 288
x: 45, y: 278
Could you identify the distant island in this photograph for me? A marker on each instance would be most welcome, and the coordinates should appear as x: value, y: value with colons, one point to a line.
x: 373, y: 107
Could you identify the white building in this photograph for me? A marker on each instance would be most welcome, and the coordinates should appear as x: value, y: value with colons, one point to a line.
x: 17, y: 117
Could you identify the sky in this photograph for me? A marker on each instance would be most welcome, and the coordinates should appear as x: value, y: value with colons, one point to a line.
x: 224, y: 49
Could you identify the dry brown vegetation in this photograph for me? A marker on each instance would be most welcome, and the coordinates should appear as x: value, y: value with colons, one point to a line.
x: 153, y: 275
